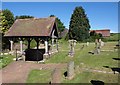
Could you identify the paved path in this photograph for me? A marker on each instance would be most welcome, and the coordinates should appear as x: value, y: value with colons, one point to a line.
x: 17, y: 72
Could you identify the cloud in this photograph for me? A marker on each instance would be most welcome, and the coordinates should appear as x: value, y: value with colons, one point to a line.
x: 111, y: 31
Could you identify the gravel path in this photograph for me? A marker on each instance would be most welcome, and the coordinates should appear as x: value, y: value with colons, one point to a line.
x: 17, y: 72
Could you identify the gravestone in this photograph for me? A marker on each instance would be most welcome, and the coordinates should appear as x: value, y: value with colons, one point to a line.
x: 70, y: 70
x: 72, y: 44
x: 102, y: 43
x: 119, y: 42
x: 87, y: 44
x: 97, y: 47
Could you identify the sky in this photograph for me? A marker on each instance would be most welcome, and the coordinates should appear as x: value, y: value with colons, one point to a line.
x: 102, y: 15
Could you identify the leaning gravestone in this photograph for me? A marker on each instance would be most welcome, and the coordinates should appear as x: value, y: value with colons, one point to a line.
x: 70, y: 70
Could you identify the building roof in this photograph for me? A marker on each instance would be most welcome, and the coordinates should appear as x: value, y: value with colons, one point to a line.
x: 32, y: 27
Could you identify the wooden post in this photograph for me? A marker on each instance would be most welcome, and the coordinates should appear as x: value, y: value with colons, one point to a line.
x: 52, y: 44
x: 37, y: 41
x: 46, y: 55
x: 16, y: 56
x: 46, y: 47
x: 57, y: 45
x: 29, y: 40
x: 21, y: 46
x: 11, y: 45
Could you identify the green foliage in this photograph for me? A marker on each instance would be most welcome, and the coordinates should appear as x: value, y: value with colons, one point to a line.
x: 60, y: 25
x: 23, y: 17
x: 113, y: 37
x: 79, y: 25
x: 94, y: 35
x: 7, y: 19
x: 3, y: 23
x: 5, y: 60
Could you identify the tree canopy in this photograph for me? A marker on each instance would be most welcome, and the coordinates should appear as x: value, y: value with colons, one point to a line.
x: 7, y: 19
x: 79, y: 25
x: 23, y: 17
x: 94, y: 35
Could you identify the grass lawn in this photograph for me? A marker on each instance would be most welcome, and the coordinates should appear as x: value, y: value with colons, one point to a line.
x: 86, y: 77
x: 82, y: 59
x: 5, y: 60
x: 39, y: 76
x: 82, y: 56
x: 85, y: 60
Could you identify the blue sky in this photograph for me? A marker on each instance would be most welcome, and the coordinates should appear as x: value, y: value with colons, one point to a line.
x: 101, y: 14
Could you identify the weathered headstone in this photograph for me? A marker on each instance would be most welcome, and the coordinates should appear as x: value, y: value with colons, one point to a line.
x: 70, y: 70
x: 101, y: 43
x: 87, y: 44
x: 97, y: 47
x: 72, y: 44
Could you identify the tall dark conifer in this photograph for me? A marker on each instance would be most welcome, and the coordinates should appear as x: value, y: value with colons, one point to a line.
x: 79, y: 25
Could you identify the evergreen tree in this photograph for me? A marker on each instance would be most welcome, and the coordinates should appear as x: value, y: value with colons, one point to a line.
x: 79, y: 25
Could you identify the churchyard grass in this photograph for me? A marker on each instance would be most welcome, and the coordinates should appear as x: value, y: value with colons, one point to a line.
x: 39, y: 76
x: 86, y: 77
x: 84, y: 60
x: 5, y: 60
x: 83, y: 57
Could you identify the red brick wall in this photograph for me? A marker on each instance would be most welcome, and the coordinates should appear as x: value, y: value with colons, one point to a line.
x: 105, y: 33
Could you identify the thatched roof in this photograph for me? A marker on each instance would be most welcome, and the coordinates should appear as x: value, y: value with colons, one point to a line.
x: 32, y: 27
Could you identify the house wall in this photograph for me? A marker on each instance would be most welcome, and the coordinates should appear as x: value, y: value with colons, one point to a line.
x: 105, y: 33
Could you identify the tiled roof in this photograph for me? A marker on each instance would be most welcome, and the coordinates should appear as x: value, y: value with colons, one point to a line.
x: 32, y: 27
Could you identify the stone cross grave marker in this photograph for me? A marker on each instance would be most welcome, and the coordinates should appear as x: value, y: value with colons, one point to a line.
x: 72, y: 44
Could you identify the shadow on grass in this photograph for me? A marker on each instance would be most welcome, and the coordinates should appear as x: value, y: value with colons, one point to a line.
x: 97, y: 82
x: 114, y: 69
x: 116, y: 58
x: 1, y: 57
x: 91, y: 52
x: 65, y: 73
